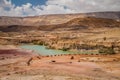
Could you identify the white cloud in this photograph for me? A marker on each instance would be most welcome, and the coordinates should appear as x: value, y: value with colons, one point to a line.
x: 7, y: 8
x: 55, y: 9
x: 88, y: 5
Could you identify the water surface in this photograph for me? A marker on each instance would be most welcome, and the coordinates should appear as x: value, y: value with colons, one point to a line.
x: 42, y: 50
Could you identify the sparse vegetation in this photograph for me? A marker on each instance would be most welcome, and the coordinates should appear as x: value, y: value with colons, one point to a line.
x: 65, y: 49
x: 106, y: 50
x: 37, y: 42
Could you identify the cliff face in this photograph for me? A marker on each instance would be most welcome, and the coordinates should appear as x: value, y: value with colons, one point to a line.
x: 54, y: 19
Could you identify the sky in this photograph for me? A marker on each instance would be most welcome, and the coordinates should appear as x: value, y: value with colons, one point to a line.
x: 44, y: 7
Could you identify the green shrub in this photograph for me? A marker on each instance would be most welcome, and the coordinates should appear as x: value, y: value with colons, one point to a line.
x: 65, y: 49
x: 107, y: 50
x: 38, y: 42
x: 41, y: 43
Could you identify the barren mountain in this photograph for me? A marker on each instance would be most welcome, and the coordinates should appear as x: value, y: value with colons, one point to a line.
x: 86, y: 23
x: 54, y: 19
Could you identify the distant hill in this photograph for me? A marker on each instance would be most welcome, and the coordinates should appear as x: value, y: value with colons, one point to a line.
x: 86, y: 23
x: 54, y: 19
x: 83, y: 24
x: 109, y: 15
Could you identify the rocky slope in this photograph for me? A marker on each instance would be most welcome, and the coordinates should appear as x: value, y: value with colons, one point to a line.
x: 62, y: 30
x: 54, y: 19
x: 85, y: 23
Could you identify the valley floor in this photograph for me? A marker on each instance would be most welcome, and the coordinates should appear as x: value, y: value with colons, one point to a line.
x: 80, y: 33
x: 24, y: 65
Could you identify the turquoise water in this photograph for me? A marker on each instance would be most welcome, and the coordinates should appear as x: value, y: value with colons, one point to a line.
x: 44, y: 51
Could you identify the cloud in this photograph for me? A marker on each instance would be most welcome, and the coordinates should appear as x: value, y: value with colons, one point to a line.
x: 88, y: 5
x: 7, y: 8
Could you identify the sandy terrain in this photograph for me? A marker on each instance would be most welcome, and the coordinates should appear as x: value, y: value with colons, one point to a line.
x: 26, y: 66
x: 67, y: 32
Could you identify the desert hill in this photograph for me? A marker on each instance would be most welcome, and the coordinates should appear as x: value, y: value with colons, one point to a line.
x: 74, y: 24
x: 84, y: 24
x: 54, y: 19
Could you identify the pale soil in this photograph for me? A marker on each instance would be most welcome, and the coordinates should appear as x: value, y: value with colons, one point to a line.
x: 82, y: 67
x: 8, y: 47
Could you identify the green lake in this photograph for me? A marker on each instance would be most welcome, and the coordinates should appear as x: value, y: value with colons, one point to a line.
x: 42, y: 50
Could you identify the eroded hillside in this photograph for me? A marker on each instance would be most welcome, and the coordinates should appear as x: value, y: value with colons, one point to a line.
x: 86, y: 23
x: 93, y: 39
x: 88, y: 33
x: 54, y: 19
